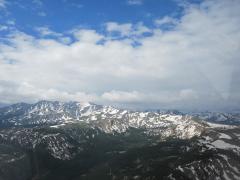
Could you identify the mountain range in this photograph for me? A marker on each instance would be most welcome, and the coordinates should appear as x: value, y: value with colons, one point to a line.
x: 74, y: 140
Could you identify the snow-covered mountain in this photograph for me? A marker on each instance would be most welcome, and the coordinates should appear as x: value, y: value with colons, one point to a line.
x: 229, y: 118
x: 106, y: 118
x: 81, y: 151
x: 102, y: 142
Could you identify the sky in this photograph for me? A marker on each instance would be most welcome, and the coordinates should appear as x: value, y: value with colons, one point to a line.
x: 141, y: 54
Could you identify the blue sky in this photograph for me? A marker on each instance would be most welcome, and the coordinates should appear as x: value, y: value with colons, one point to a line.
x: 63, y: 15
x: 144, y: 54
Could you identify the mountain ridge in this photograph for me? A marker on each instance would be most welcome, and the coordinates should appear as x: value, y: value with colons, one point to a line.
x: 107, y: 118
x: 88, y: 141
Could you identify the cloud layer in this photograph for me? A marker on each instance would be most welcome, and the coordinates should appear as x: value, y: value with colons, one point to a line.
x: 187, y: 63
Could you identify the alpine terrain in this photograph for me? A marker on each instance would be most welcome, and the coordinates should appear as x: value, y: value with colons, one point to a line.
x: 84, y: 141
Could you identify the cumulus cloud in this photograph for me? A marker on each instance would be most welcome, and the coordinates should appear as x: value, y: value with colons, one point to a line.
x: 195, y: 64
x: 124, y: 29
x: 45, y: 31
x: 127, y: 29
x: 87, y: 35
x: 166, y: 20
x: 122, y: 96
x: 135, y: 96
x: 24, y: 92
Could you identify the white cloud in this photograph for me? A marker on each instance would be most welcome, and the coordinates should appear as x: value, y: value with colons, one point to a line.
x: 138, y: 97
x: 194, y: 65
x: 87, y: 36
x: 172, y: 99
x: 45, y: 31
x: 127, y: 29
x: 135, y: 2
x: 166, y: 20
x: 14, y: 93
x: 140, y: 29
x: 124, y: 29
x: 122, y: 96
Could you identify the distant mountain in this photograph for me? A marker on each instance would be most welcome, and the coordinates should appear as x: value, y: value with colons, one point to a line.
x: 106, y: 118
x: 231, y: 118
x: 74, y: 140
